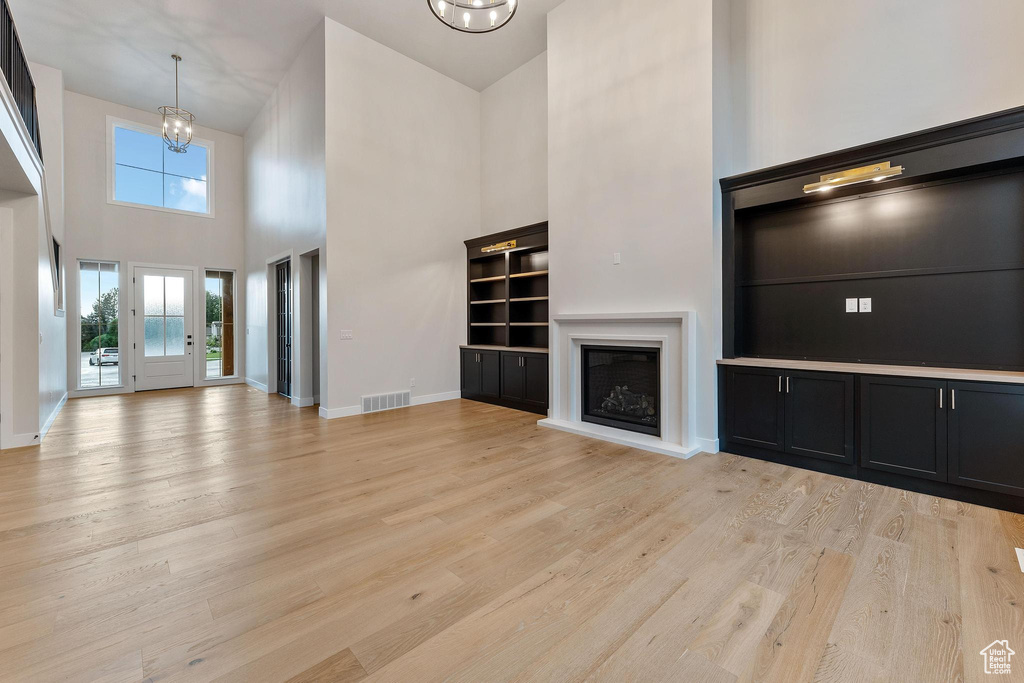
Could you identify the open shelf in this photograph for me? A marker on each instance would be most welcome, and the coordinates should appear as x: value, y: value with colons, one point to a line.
x: 535, y: 273
x: 507, y: 301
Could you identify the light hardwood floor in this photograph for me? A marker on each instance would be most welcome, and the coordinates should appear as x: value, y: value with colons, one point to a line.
x: 223, y: 534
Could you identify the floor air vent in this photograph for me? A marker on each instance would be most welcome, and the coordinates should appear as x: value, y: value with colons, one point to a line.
x: 375, y: 404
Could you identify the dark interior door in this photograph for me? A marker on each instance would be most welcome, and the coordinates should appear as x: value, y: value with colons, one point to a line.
x: 903, y: 425
x: 820, y: 415
x: 284, y: 328
x: 986, y: 436
x: 755, y: 408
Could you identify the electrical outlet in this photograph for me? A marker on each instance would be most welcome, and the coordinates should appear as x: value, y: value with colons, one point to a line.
x: 412, y: 382
x: 346, y: 335
x: 851, y: 305
x: 616, y: 258
x: 865, y: 305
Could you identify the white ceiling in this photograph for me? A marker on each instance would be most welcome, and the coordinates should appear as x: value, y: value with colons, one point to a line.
x: 236, y: 51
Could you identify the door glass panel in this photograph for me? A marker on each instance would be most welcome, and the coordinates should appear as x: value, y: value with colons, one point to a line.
x: 175, y: 295
x: 153, y: 293
x: 154, y: 336
x: 175, y: 336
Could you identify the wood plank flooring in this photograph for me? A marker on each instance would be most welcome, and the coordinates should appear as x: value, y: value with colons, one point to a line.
x: 221, y: 534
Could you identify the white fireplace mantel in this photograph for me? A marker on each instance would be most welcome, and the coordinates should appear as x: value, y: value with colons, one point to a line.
x: 674, y: 333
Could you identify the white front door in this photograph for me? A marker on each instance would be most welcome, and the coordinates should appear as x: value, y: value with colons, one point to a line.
x: 163, y: 329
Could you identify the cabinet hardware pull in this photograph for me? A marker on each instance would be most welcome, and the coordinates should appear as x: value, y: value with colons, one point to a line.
x: 780, y: 384
x: 787, y: 384
x: 952, y: 399
x: 940, y: 398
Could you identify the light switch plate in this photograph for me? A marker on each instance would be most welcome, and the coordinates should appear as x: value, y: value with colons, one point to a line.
x: 851, y: 305
x: 865, y: 305
x: 616, y: 258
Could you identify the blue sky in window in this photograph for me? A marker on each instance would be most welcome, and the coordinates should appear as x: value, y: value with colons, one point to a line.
x: 146, y: 172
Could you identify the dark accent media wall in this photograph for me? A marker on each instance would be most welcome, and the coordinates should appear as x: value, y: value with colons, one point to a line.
x: 940, y: 251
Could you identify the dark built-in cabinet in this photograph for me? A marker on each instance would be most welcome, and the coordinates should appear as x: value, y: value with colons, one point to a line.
x: 903, y: 426
x: 801, y: 413
x: 828, y: 264
x: 961, y: 440
x: 506, y: 360
x: 481, y: 374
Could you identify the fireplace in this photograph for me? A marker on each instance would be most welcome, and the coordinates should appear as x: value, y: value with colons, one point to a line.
x: 622, y: 387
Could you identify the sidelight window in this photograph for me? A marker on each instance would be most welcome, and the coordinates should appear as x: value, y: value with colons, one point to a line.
x: 99, y: 297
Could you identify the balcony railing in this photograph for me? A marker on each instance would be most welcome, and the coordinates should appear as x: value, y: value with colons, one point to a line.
x: 15, y: 67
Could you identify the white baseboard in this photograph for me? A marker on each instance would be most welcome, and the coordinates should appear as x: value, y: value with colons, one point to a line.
x: 302, y: 402
x: 219, y: 381
x: 436, y: 398
x: 335, y: 413
x: 708, y: 445
x: 257, y: 385
x: 53, y: 416
x: 641, y: 441
x: 22, y: 440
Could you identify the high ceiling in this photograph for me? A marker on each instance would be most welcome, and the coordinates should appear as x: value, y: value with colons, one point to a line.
x: 236, y: 51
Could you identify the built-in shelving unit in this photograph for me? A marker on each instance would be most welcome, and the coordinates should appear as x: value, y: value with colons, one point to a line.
x: 505, y: 359
x: 874, y: 331
x: 508, y: 289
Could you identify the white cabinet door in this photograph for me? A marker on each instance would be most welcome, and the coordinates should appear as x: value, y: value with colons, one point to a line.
x: 163, y: 329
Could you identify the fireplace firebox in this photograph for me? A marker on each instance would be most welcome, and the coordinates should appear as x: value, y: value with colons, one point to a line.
x: 622, y: 387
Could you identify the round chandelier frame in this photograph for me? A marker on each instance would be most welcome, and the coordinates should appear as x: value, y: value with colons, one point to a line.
x: 474, y: 16
x: 178, y: 122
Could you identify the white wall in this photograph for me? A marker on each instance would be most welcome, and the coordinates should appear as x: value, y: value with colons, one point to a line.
x: 514, y: 148
x: 403, y: 192
x: 53, y: 382
x: 33, y: 331
x: 286, y: 210
x: 96, y: 229
x: 630, y: 167
x: 812, y: 77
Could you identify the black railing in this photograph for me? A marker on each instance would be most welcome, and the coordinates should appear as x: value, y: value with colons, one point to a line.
x: 19, y: 77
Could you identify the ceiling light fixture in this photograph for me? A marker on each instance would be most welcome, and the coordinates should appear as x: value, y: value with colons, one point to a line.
x: 178, y: 122
x: 473, y: 16
x: 862, y: 174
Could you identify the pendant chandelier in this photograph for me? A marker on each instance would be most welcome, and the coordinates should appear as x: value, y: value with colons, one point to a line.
x: 178, y: 122
x: 474, y: 16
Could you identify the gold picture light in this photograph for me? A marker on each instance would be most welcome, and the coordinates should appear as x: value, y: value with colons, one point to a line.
x: 863, y: 174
